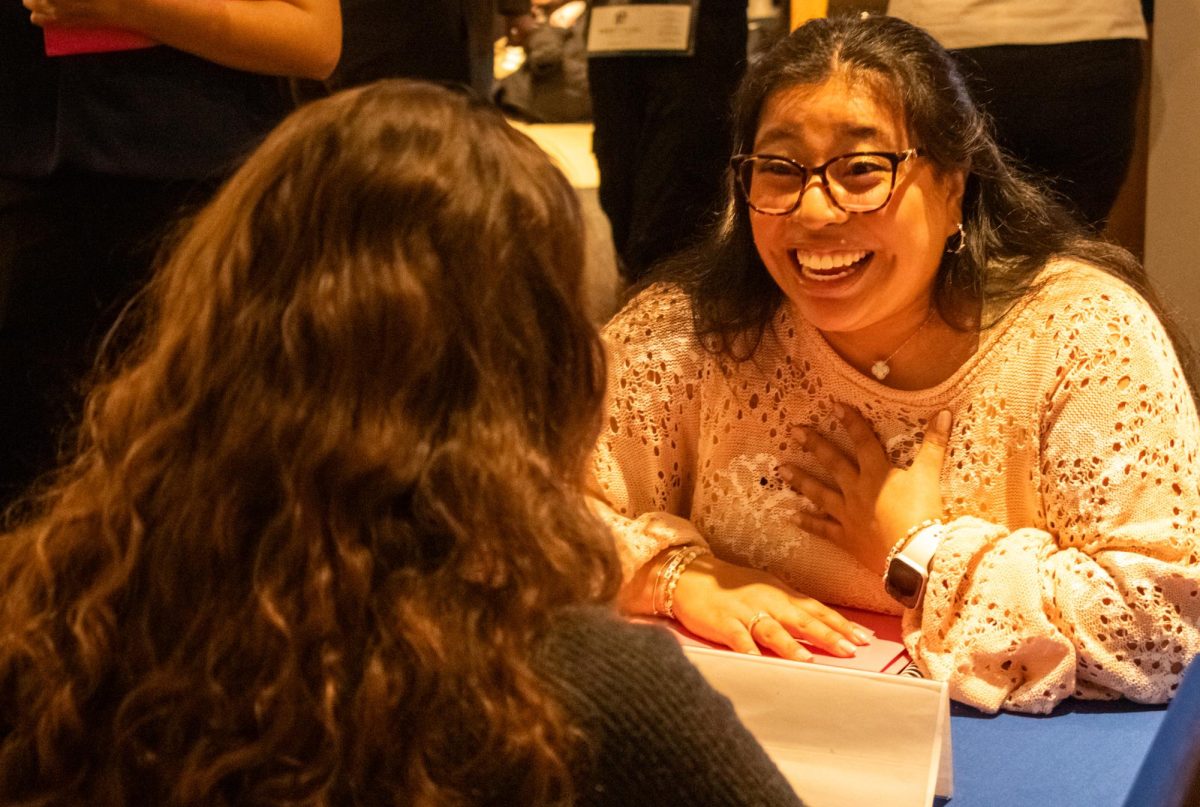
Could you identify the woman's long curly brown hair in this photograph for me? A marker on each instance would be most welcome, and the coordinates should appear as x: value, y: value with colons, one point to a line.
x: 322, y: 509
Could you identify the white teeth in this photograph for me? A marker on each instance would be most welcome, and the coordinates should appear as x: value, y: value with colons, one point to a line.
x: 812, y: 274
x: 823, y: 265
x: 829, y: 260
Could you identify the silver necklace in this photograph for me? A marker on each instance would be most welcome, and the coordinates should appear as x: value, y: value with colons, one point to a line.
x: 882, y: 368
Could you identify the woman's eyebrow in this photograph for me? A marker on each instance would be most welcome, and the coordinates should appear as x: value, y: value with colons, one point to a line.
x: 786, y: 133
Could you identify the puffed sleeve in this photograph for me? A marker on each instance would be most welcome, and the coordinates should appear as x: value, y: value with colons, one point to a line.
x: 643, y: 466
x: 1102, y: 598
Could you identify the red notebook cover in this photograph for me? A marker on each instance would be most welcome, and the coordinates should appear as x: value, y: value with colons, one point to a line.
x: 67, y: 41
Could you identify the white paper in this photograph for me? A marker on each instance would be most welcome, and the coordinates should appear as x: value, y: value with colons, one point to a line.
x: 642, y: 27
x: 841, y: 737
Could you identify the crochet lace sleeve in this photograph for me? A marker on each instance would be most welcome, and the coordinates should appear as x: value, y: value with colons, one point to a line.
x: 644, y: 458
x: 1102, y: 598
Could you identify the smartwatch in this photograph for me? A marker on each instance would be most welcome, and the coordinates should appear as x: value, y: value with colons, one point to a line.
x: 906, y: 575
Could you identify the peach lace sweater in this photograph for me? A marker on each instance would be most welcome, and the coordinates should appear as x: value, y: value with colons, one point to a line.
x: 1071, y: 484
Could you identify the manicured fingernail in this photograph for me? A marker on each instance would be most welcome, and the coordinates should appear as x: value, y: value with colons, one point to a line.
x: 800, y: 654
x: 754, y: 652
x: 943, y: 420
x: 846, y: 648
x: 861, y: 635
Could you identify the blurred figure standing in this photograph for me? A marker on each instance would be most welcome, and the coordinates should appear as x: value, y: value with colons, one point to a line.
x: 437, y: 40
x: 662, y: 135
x: 98, y: 152
x: 1060, y: 78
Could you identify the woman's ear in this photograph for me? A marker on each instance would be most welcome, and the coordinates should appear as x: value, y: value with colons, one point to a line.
x: 954, y: 182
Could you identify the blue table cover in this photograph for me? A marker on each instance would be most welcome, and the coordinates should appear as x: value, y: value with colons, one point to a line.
x: 1085, y: 754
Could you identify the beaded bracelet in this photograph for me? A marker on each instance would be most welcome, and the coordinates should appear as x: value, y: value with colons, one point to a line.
x: 669, y: 562
x: 908, y: 536
x: 668, y: 578
x: 667, y: 573
x: 685, y: 560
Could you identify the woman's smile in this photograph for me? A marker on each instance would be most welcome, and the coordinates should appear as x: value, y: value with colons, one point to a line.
x: 829, y: 268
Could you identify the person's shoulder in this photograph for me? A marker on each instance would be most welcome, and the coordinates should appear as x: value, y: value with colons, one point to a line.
x: 659, y: 310
x: 594, y: 639
x: 1081, y: 304
x: 606, y: 662
x: 659, y: 733
x: 1067, y: 281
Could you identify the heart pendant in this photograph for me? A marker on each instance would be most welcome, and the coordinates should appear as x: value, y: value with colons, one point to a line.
x: 880, y: 369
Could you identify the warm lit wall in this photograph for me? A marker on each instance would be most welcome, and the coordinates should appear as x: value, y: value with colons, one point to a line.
x: 1173, y: 170
x: 802, y: 10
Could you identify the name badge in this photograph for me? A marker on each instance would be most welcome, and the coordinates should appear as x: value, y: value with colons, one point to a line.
x: 624, y: 28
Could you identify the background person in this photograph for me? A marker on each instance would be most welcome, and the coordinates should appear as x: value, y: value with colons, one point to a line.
x: 323, y: 540
x: 438, y: 40
x: 1075, y: 122
x: 661, y: 136
x: 98, y: 153
x: 947, y: 372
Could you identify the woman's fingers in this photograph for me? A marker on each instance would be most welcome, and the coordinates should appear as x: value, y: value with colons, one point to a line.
x: 748, y: 609
x: 826, y: 628
x: 780, y: 634
x: 738, y: 635
x: 932, y: 452
x: 771, y: 634
x: 819, y: 525
x: 868, y: 451
x: 842, y: 468
x: 828, y: 500
x: 849, y: 628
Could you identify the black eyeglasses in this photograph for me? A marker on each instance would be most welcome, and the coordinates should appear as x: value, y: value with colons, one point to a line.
x: 859, y: 182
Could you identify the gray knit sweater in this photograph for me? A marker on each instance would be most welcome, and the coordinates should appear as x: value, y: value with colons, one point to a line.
x: 660, y: 734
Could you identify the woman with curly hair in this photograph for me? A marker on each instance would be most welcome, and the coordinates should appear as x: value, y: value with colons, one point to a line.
x: 323, y: 538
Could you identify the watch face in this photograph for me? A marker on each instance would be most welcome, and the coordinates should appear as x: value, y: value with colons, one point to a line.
x: 904, y: 583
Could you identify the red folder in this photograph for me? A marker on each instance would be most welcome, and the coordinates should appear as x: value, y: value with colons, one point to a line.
x: 69, y: 40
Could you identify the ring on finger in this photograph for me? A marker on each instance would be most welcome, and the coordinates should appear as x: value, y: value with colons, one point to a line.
x: 754, y: 621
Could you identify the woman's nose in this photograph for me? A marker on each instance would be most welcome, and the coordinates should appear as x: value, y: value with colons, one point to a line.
x: 816, y: 207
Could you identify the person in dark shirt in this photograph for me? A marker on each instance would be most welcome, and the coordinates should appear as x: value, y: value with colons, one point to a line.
x: 324, y: 540
x: 98, y: 153
x: 662, y: 136
x: 442, y: 40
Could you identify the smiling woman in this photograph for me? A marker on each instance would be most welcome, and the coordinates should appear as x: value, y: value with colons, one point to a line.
x: 862, y: 280
x: 896, y: 376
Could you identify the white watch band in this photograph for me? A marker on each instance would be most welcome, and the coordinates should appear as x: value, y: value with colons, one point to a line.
x: 919, y: 551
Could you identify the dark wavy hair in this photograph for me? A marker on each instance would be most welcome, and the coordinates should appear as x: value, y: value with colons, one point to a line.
x: 1012, y: 226
x: 321, y: 511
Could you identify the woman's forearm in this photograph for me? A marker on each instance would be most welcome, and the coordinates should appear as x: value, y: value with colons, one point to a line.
x: 300, y: 38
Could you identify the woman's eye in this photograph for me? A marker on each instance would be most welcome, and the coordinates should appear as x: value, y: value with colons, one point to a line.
x: 862, y: 165
x: 777, y: 168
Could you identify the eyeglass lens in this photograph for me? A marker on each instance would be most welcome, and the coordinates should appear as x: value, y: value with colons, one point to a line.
x: 857, y: 182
